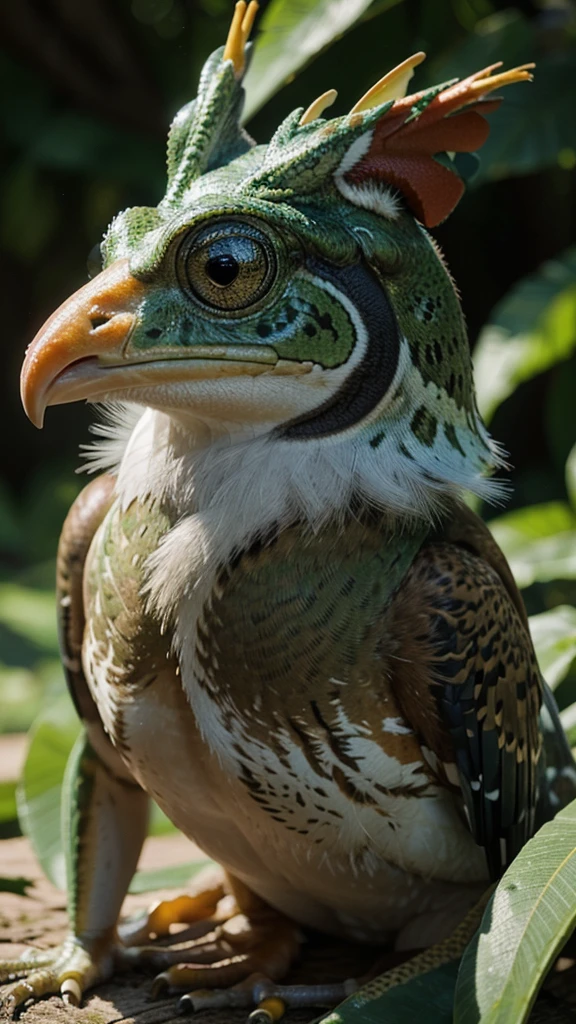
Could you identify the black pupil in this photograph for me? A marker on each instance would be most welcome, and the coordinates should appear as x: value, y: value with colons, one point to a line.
x: 222, y: 270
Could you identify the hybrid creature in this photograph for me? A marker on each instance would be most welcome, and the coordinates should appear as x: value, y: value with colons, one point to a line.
x: 278, y: 618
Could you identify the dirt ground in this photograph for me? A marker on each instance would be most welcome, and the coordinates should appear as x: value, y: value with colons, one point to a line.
x: 39, y: 919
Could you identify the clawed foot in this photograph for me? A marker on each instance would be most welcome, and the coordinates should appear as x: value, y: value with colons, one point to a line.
x: 228, y: 959
x: 236, y: 963
x: 269, y: 999
x: 68, y: 969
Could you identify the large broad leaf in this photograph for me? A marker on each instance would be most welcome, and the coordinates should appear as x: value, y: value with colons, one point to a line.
x: 539, y: 542
x: 526, y: 923
x: 529, y: 331
x: 554, y: 636
x: 291, y: 34
x: 176, y: 876
x: 39, y: 792
x: 427, y: 997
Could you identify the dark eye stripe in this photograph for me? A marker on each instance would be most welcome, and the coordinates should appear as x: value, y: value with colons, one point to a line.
x: 368, y: 382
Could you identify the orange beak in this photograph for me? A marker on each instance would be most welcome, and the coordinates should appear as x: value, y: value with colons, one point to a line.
x: 85, y: 351
x: 65, y: 359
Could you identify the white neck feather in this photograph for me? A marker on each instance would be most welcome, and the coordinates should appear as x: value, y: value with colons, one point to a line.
x: 225, y: 491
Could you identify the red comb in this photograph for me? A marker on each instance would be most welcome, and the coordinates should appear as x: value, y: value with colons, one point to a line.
x: 403, y: 148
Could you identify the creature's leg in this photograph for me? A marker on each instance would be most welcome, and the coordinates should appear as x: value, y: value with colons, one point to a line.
x: 206, y: 905
x: 268, y: 958
x: 105, y: 818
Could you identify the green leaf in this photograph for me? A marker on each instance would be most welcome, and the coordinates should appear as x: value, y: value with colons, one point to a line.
x: 39, y: 792
x: 428, y: 997
x: 539, y: 542
x: 7, y: 801
x: 175, y: 876
x: 529, y: 331
x: 20, y: 697
x: 525, y: 925
x: 160, y: 824
x: 554, y: 636
x: 30, y: 613
x: 292, y: 34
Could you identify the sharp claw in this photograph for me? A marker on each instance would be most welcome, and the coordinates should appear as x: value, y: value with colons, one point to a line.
x: 269, y: 1011
x: 160, y: 985
x: 185, y: 1005
x: 71, y: 992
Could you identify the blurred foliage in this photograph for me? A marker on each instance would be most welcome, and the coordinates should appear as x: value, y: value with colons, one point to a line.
x: 87, y: 92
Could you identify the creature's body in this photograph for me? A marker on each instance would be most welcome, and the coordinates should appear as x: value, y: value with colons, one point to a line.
x: 295, y: 771
x: 278, y: 618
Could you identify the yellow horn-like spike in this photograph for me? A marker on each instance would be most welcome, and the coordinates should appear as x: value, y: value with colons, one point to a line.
x: 318, y: 106
x: 519, y: 74
x: 240, y: 28
x: 392, y: 87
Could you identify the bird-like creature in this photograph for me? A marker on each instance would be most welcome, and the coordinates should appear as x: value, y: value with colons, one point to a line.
x: 278, y: 618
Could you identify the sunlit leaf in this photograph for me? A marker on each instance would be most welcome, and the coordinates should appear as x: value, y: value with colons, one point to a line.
x: 7, y: 801
x: 171, y: 877
x: 20, y: 698
x: 160, y: 824
x: 291, y: 34
x: 39, y: 792
x: 539, y: 542
x: 554, y: 636
x: 526, y: 923
x: 529, y: 331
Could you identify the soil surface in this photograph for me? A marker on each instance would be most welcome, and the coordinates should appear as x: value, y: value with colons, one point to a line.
x: 39, y: 919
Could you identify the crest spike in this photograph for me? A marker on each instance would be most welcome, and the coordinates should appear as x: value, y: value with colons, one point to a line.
x: 392, y: 86
x: 412, y: 133
x: 240, y: 28
x: 318, y: 107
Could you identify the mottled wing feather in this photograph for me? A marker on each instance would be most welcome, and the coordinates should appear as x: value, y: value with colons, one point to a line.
x: 472, y: 671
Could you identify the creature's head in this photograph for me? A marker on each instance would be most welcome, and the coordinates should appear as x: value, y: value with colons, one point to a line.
x: 290, y: 291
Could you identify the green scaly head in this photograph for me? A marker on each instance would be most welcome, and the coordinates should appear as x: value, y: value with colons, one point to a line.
x: 288, y: 296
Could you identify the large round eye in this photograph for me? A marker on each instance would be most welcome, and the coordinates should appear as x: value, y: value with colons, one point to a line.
x: 228, y: 266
